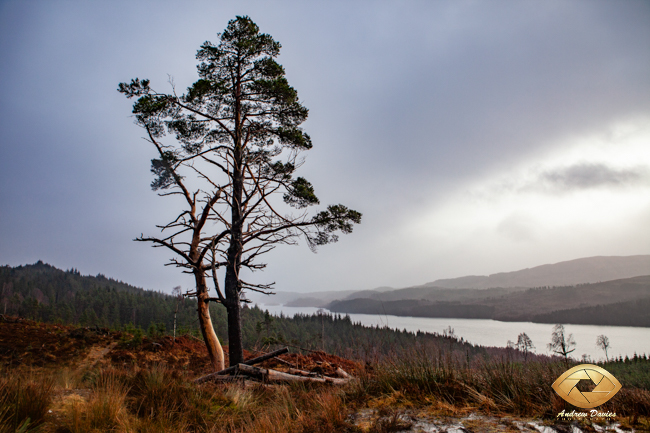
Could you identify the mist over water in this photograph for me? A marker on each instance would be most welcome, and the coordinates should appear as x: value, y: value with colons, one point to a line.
x: 625, y: 341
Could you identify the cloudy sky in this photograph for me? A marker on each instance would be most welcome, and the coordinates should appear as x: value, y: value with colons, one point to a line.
x: 475, y: 137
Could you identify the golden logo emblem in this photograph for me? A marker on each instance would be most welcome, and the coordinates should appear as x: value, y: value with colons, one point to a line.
x: 606, y: 386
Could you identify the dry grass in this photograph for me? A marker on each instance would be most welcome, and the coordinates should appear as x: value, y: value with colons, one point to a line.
x: 161, y: 399
x: 24, y: 400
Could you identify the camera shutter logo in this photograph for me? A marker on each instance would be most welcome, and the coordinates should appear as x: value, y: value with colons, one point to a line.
x: 606, y: 386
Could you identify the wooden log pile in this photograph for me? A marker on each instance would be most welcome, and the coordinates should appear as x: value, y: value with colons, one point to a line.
x: 246, y: 370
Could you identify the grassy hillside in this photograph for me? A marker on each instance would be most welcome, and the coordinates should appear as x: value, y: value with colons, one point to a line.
x: 82, y: 377
x: 58, y: 378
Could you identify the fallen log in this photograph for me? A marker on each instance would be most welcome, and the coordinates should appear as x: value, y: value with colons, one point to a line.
x: 282, y: 361
x: 339, y: 372
x: 269, y: 375
x: 233, y: 369
x: 297, y: 372
x: 226, y: 378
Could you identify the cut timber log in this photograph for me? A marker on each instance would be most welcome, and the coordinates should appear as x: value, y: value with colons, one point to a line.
x: 342, y: 373
x: 269, y: 375
x: 233, y: 369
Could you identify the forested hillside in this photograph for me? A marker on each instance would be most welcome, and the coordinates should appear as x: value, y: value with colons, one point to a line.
x: 631, y: 313
x: 45, y: 293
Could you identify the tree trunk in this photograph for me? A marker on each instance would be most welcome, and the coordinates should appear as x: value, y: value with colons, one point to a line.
x: 232, y: 284
x: 235, y: 346
x: 205, y: 322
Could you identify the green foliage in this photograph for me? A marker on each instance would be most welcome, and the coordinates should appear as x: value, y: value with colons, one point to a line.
x: 162, y: 168
x: 301, y: 194
x: 631, y: 372
x: 133, y: 335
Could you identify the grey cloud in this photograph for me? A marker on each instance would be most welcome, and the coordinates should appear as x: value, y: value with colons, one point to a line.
x: 517, y: 227
x: 593, y: 175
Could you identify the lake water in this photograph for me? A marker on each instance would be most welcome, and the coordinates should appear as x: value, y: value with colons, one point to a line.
x: 624, y: 340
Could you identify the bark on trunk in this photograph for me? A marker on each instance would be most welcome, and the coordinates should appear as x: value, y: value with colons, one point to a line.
x: 232, y: 284
x: 235, y: 346
x: 205, y: 322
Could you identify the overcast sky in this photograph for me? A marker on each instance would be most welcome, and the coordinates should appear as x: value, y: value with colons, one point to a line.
x: 475, y: 137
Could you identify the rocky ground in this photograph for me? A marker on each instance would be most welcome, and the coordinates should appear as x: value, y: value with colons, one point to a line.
x: 423, y: 422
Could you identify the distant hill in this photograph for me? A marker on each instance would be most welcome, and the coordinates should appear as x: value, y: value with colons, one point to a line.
x: 569, y: 273
x: 578, y: 271
x: 298, y: 299
x: 619, y: 302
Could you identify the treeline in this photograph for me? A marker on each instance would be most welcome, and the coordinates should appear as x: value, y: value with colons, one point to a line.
x: 44, y: 293
x: 337, y: 334
x: 634, y: 371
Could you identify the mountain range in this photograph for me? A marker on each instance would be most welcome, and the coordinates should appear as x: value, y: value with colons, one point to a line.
x: 577, y: 291
x: 567, y: 273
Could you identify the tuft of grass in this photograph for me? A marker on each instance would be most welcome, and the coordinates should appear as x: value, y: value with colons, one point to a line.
x: 24, y: 401
x: 67, y: 378
x: 322, y: 412
x: 166, y: 396
x: 389, y: 421
x: 104, y: 410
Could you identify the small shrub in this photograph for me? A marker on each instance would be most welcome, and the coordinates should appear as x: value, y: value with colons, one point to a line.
x: 156, y: 330
x: 132, y: 336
